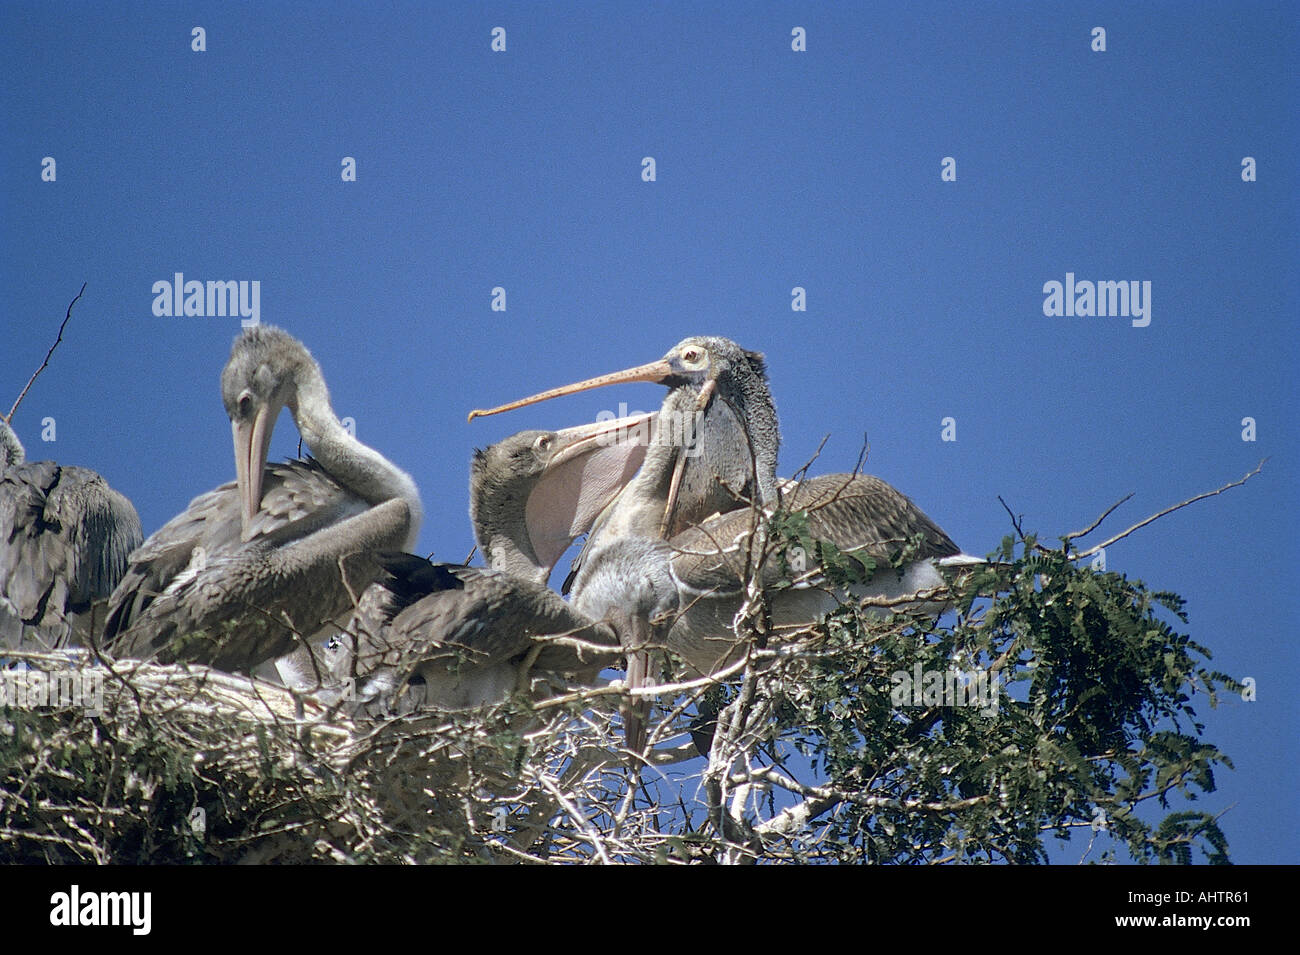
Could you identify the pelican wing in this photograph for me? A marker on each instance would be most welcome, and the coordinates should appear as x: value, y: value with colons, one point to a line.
x: 862, y: 513
x: 64, y: 540
x: 859, y: 514
x: 299, y: 498
x: 471, y: 616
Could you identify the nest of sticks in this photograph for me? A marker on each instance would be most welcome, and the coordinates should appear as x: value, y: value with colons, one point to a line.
x: 132, y: 762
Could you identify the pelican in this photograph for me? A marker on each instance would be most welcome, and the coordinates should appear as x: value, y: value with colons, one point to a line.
x: 713, y: 450
x: 717, y: 428
x: 681, y: 591
x: 684, y: 595
x: 64, y: 540
x: 256, y: 566
x: 470, y: 635
x: 709, y: 566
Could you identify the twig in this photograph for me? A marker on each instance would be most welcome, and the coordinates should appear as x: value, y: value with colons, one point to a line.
x: 803, y: 471
x: 1016, y: 522
x: 1097, y: 523
x: 10, y: 416
x: 1168, y: 510
x: 862, y: 455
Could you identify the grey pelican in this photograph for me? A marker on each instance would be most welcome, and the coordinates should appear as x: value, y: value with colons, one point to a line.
x: 713, y: 450
x: 717, y: 424
x: 681, y: 591
x: 64, y: 540
x: 256, y: 566
x: 709, y: 566
x: 684, y: 595
x: 469, y: 635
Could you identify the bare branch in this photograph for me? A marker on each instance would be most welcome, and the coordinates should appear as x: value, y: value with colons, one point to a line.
x: 803, y: 471
x: 1016, y: 521
x: 1097, y: 523
x: 68, y: 315
x: 1168, y: 510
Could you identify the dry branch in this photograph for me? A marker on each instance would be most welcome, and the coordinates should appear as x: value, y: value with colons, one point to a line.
x: 67, y: 316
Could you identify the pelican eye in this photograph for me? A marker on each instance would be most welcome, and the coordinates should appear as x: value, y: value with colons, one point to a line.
x: 694, y: 357
x: 245, y: 404
x: 543, y: 442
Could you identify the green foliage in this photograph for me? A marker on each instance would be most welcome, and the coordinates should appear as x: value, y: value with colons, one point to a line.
x: 1095, y: 717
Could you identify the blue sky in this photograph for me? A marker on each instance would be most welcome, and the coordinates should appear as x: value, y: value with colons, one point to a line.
x: 774, y: 169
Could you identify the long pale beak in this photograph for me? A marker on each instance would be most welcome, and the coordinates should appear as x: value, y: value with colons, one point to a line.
x: 576, y: 441
x: 655, y: 371
x: 252, y: 445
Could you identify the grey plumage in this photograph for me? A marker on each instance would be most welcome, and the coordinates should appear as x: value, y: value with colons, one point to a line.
x: 711, y: 563
x: 859, y: 514
x: 713, y: 449
x: 64, y: 540
x: 720, y: 417
x: 451, y: 636
x: 448, y: 635
x: 728, y: 455
x: 254, y: 568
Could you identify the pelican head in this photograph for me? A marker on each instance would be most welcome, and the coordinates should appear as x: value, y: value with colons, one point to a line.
x: 533, y: 493
x: 703, y: 363
x: 266, y: 370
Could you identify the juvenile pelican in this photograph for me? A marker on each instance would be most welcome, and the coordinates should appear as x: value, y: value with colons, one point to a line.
x: 64, y: 540
x: 713, y: 450
x: 460, y: 636
x: 717, y: 423
x: 253, y: 568
x: 681, y: 591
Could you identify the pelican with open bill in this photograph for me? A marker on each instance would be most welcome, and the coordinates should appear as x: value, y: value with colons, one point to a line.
x: 719, y: 417
x: 465, y: 636
x: 712, y: 451
x: 682, y: 591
